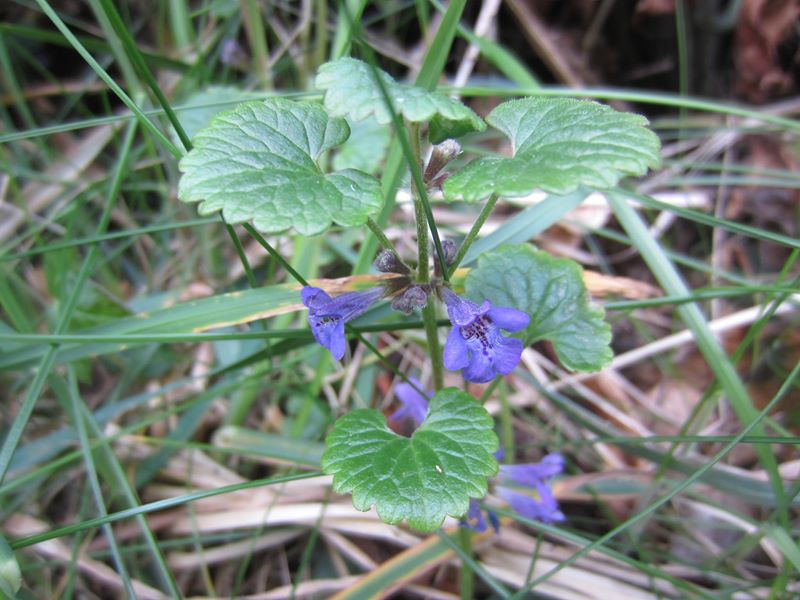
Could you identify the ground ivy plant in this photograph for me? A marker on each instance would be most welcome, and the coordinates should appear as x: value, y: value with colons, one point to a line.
x: 266, y: 162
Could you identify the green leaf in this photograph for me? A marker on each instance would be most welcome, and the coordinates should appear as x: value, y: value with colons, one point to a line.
x: 420, y: 479
x: 559, y: 144
x: 258, y: 162
x: 351, y: 90
x: 552, y: 292
x: 366, y: 147
x: 197, y: 110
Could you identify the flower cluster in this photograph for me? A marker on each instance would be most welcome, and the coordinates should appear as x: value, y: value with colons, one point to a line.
x: 524, y: 487
x: 475, y: 345
x: 512, y: 485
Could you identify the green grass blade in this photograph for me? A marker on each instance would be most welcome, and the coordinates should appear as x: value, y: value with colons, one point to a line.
x: 155, y: 506
x: 26, y: 408
x: 103, y: 74
x: 527, y: 224
x: 349, y: 11
x: 712, y: 221
x: 439, y: 50
x: 133, y: 54
x: 94, y: 483
x: 666, y: 274
x: 751, y: 427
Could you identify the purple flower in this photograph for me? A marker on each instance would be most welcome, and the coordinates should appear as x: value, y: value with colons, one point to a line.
x: 475, y: 521
x: 475, y: 343
x: 535, y: 476
x: 415, y: 405
x: 327, y: 316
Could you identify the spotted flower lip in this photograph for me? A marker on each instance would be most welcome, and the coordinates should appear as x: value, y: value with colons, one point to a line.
x: 475, y: 343
x: 327, y: 316
x: 414, y: 405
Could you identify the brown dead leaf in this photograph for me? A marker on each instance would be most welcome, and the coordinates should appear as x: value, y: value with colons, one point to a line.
x: 599, y: 284
x: 763, y: 26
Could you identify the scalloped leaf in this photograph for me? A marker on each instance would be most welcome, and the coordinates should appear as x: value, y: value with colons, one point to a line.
x: 199, y: 108
x: 420, y: 479
x: 558, y: 145
x: 551, y: 290
x: 351, y: 90
x: 366, y: 147
x: 258, y: 162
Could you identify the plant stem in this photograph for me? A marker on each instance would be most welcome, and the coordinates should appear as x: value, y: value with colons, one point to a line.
x: 432, y: 333
x: 506, y: 425
x: 274, y: 253
x: 467, y: 576
x: 423, y: 270
x: 423, y: 274
x: 473, y: 233
x: 382, y: 239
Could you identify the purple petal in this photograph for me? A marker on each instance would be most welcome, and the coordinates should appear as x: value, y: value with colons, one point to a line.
x: 474, y: 519
x: 506, y: 354
x: 509, y: 319
x: 531, y: 474
x: 327, y: 316
x: 494, y: 521
x: 544, y: 510
x: 553, y: 464
x: 461, y: 311
x: 456, y: 355
x: 322, y: 328
x: 415, y: 405
x: 337, y: 341
x: 353, y: 304
x: 480, y: 369
x: 314, y: 298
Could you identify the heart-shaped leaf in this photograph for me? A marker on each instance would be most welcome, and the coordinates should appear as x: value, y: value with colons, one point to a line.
x: 258, y: 162
x: 351, y: 90
x: 552, y: 292
x: 559, y: 144
x: 420, y: 479
x: 197, y: 110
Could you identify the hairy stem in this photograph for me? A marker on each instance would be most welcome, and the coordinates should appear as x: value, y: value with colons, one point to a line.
x: 432, y: 333
x: 423, y: 270
x: 423, y: 274
x: 382, y: 239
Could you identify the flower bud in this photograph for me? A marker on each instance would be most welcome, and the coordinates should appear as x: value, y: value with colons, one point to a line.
x: 442, y: 154
x: 414, y: 296
x: 449, y: 247
x: 388, y: 262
